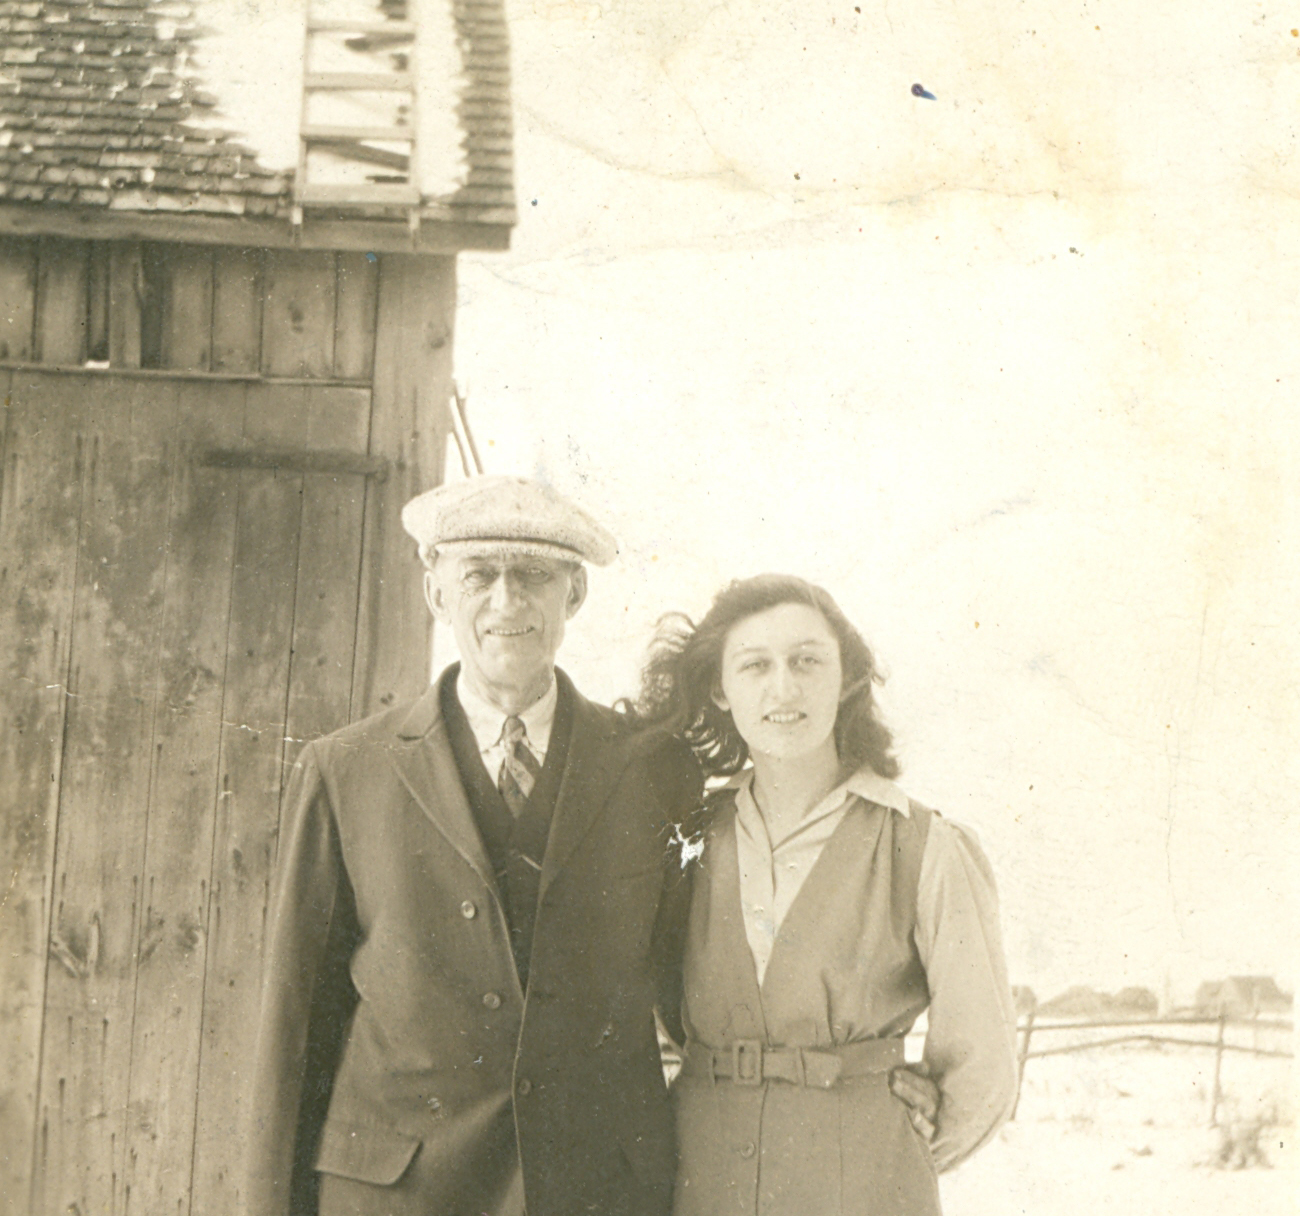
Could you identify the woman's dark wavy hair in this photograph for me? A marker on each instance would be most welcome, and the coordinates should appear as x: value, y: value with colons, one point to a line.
x: 684, y: 671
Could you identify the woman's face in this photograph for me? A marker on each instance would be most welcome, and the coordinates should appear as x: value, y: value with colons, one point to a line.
x: 781, y: 681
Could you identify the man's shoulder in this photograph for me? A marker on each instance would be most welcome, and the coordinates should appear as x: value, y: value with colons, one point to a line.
x: 669, y: 760
x: 624, y: 731
x: 383, y: 729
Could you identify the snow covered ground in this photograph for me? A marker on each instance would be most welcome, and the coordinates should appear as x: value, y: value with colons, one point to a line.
x: 1125, y: 1130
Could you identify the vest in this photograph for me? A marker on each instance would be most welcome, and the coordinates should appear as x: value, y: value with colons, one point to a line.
x: 844, y: 969
x: 515, y: 847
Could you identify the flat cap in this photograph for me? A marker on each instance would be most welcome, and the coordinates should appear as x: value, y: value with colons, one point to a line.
x: 505, y: 514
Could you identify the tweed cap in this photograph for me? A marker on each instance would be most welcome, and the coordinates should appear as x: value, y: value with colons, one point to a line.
x: 500, y: 514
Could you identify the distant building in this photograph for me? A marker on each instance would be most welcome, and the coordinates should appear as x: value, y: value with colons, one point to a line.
x: 1083, y: 1002
x: 1137, y: 1002
x: 1242, y: 996
x: 1076, y: 1002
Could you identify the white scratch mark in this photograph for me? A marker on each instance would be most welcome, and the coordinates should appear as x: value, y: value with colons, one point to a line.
x: 691, y: 847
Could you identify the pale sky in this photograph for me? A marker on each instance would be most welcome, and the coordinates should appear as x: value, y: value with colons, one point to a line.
x: 1012, y: 372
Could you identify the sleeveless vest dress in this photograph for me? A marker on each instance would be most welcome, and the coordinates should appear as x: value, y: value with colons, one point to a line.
x: 767, y: 1130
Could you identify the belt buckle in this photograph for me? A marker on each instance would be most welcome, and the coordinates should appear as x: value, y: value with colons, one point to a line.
x: 747, y: 1062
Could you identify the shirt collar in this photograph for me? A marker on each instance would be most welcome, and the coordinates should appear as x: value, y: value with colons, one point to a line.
x: 866, y: 783
x: 487, y: 721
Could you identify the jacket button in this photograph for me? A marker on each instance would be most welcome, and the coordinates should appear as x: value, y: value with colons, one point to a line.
x: 491, y: 1000
x: 525, y: 1087
x: 747, y: 1149
x: 468, y: 910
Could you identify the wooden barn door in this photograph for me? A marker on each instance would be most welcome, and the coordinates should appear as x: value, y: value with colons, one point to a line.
x: 187, y: 569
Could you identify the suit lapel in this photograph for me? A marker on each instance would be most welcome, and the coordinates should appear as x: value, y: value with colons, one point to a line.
x: 595, y: 761
x: 424, y: 761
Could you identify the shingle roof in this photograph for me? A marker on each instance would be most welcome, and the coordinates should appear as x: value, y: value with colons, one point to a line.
x: 103, y: 103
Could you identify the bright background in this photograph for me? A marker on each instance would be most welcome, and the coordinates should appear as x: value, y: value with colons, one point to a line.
x: 1012, y: 372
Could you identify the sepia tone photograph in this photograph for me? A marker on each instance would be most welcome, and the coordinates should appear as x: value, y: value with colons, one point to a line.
x: 648, y: 607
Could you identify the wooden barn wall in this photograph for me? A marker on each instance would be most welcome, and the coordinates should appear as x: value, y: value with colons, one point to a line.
x: 201, y: 567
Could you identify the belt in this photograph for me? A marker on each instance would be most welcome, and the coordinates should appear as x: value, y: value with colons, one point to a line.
x: 748, y: 1062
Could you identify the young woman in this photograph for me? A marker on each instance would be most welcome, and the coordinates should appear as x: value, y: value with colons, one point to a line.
x: 829, y: 911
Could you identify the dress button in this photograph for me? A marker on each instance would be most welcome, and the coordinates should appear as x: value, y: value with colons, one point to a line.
x: 525, y: 1087
x: 747, y: 1149
x: 468, y: 910
x: 491, y: 1000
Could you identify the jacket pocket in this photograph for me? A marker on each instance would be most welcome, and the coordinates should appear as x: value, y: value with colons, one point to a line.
x: 377, y: 1155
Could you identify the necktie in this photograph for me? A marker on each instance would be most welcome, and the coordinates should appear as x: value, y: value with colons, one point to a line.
x: 519, y: 769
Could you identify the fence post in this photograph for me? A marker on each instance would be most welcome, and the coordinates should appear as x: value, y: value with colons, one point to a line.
x: 1218, y: 1066
x: 1020, y: 1062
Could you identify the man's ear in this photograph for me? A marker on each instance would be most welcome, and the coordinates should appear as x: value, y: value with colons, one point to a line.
x: 577, y: 591
x: 434, y: 597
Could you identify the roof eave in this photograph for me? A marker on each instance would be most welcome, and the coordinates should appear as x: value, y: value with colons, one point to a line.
x: 440, y: 231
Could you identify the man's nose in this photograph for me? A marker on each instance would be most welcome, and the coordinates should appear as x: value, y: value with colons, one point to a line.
x: 505, y: 591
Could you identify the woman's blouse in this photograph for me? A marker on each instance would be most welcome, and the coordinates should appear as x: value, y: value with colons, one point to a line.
x: 970, y: 1037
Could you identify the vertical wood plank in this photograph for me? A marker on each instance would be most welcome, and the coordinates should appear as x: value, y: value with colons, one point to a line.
x: 97, y: 302
x: 354, y: 322
x: 298, y: 317
x: 186, y: 339
x: 324, y: 627
x: 329, y: 566
x: 237, y: 310
x: 61, y: 302
x: 85, y: 1121
x: 39, y: 508
x: 17, y: 298
x: 186, y: 731
x: 253, y: 750
x: 125, y: 299
x: 409, y: 425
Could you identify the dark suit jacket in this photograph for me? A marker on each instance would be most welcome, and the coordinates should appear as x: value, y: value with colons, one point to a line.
x: 398, y: 1059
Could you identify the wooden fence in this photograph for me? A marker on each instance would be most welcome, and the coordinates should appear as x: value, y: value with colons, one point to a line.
x: 1135, y: 1031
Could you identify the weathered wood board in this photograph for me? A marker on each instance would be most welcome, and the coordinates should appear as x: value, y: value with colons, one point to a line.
x: 186, y: 337
x: 17, y: 298
x: 298, y: 314
x: 62, y: 268
x: 40, y: 506
x: 247, y: 810
x: 187, y: 702
x: 116, y: 630
x: 236, y: 310
x: 409, y: 426
x: 354, y: 316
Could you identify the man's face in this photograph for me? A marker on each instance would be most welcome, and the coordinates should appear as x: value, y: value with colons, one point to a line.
x: 507, y: 614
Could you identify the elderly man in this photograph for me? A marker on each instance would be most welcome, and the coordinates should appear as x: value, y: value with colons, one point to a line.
x: 478, y: 907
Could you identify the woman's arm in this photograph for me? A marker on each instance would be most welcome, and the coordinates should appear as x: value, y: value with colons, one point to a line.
x: 970, y: 1045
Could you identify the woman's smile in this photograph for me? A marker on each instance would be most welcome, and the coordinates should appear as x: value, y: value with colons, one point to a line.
x: 785, y: 717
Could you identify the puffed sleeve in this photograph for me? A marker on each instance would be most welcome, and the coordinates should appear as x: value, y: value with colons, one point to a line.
x: 306, y: 996
x: 970, y: 1045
